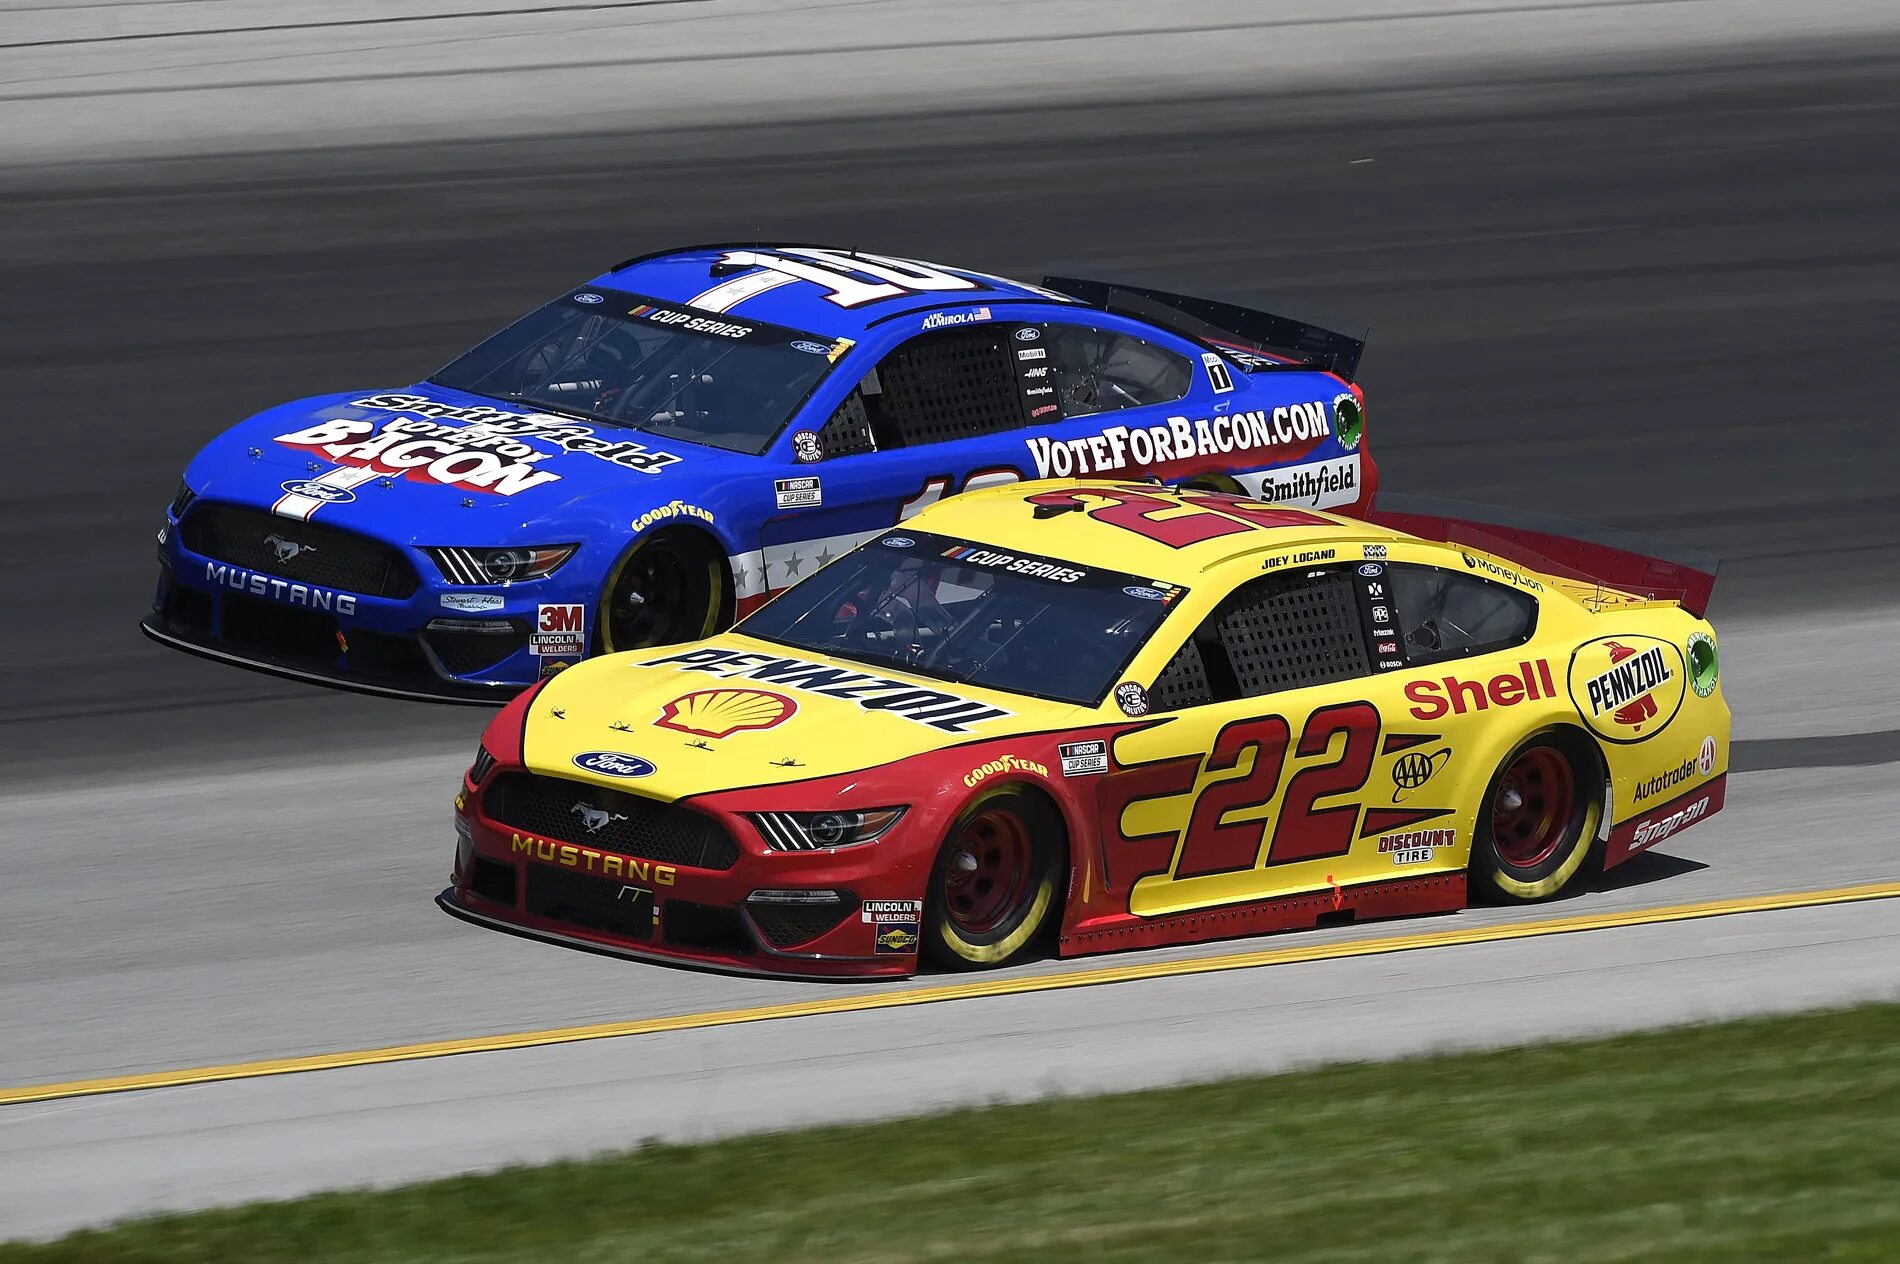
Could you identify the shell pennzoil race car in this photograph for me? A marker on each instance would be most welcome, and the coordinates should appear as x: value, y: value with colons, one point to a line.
x: 1105, y: 715
x: 655, y: 452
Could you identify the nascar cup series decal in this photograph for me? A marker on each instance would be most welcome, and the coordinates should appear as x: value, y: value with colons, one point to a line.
x: 1627, y: 688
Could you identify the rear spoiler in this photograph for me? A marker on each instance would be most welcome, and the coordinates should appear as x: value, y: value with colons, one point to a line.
x: 1223, y: 325
x: 1558, y: 546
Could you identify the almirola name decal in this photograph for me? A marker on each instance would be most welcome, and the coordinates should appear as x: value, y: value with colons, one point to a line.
x: 1289, y: 430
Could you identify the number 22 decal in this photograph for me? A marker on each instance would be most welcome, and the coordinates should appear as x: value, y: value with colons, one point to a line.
x: 1300, y: 830
x: 1178, y: 519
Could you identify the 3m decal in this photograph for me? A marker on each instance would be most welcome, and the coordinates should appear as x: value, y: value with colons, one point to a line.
x: 1627, y: 688
x: 939, y: 710
x: 723, y: 712
x: 1291, y: 430
x: 1455, y: 695
x: 559, y: 631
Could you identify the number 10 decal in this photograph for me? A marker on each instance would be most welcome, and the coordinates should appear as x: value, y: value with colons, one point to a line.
x: 1300, y: 830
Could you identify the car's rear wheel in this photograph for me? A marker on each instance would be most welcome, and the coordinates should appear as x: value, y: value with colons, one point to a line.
x: 995, y: 881
x: 671, y: 588
x: 1538, y: 820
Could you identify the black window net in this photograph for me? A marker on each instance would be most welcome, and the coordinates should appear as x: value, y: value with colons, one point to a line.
x: 1290, y: 633
x: 950, y: 385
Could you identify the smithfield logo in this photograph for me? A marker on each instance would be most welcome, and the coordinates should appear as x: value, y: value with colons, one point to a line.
x: 614, y: 764
x: 311, y: 489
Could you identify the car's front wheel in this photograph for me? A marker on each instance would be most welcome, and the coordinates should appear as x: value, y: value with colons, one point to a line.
x: 995, y: 881
x: 1538, y: 820
x: 670, y: 588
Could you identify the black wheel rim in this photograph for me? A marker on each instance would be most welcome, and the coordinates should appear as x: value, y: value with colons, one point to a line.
x: 653, y: 599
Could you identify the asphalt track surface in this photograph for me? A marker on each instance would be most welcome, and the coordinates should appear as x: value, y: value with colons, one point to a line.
x: 1667, y: 302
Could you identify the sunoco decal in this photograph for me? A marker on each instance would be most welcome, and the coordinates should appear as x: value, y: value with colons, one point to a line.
x: 1627, y: 688
x: 939, y: 710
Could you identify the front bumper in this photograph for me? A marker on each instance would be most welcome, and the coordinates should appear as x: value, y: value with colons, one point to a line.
x: 418, y: 641
x: 760, y: 914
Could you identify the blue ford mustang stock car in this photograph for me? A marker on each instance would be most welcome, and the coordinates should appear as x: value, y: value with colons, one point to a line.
x: 656, y: 452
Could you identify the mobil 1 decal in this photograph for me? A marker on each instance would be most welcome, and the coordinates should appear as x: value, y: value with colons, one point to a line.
x: 1266, y: 793
x: 1627, y: 688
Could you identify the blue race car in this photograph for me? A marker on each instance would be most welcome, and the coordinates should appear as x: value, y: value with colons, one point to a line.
x: 655, y: 453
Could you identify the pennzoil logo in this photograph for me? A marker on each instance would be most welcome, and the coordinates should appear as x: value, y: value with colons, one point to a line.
x: 723, y: 712
x: 1627, y: 688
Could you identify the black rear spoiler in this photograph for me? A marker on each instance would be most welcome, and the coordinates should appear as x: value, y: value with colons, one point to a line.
x: 1222, y: 325
x: 1558, y: 546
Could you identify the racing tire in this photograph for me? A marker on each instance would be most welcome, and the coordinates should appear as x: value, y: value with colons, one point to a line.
x: 672, y: 587
x: 1538, y: 820
x: 995, y: 882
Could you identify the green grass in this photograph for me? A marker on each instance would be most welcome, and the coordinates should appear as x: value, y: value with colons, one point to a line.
x: 1775, y: 1140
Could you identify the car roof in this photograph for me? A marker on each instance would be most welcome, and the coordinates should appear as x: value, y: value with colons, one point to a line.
x: 722, y: 278
x: 1004, y: 518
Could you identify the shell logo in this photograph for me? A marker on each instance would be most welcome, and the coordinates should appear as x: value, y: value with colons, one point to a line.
x: 723, y: 712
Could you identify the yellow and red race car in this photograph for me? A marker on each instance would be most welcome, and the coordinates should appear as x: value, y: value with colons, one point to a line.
x: 1104, y: 715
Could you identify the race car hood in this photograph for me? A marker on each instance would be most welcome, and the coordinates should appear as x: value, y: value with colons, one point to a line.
x: 734, y: 712
x: 427, y: 465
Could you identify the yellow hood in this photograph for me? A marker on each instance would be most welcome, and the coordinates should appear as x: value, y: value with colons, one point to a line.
x: 734, y: 711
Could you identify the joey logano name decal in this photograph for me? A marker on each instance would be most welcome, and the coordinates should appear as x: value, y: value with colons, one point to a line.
x: 484, y: 454
x: 1288, y: 431
x: 944, y: 711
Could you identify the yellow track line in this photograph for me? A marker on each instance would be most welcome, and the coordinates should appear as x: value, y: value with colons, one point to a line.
x: 858, y: 1002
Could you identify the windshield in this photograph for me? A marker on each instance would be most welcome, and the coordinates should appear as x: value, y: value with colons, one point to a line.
x: 633, y: 361
x: 972, y: 614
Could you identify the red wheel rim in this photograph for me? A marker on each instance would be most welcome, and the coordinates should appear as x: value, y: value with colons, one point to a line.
x: 989, y: 872
x: 1531, y: 813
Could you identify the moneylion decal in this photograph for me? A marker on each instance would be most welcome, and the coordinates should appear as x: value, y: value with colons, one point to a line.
x: 1627, y: 688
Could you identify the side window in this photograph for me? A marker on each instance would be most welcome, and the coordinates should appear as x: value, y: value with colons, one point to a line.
x: 1270, y: 634
x: 1099, y: 371
x: 1445, y: 615
x: 950, y: 384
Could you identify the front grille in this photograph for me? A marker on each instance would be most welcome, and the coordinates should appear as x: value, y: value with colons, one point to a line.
x: 556, y: 808
x: 784, y: 925
x: 492, y: 880
x: 281, y: 632
x: 704, y: 926
x: 581, y: 899
x: 299, y: 551
x: 466, y: 653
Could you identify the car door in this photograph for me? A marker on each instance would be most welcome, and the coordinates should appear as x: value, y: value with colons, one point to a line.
x: 1287, y: 758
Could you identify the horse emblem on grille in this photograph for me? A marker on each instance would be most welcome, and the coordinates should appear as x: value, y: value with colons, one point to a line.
x: 285, y: 550
x: 595, y: 819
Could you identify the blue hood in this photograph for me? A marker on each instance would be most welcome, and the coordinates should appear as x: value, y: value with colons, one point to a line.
x: 428, y: 465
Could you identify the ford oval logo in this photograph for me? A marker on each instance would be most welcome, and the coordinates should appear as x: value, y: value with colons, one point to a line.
x: 314, y: 490
x: 614, y: 764
x: 898, y: 542
x: 1143, y: 593
x: 588, y: 298
x: 811, y: 348
x: 1028, y: 333
x: 1371, y: 569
